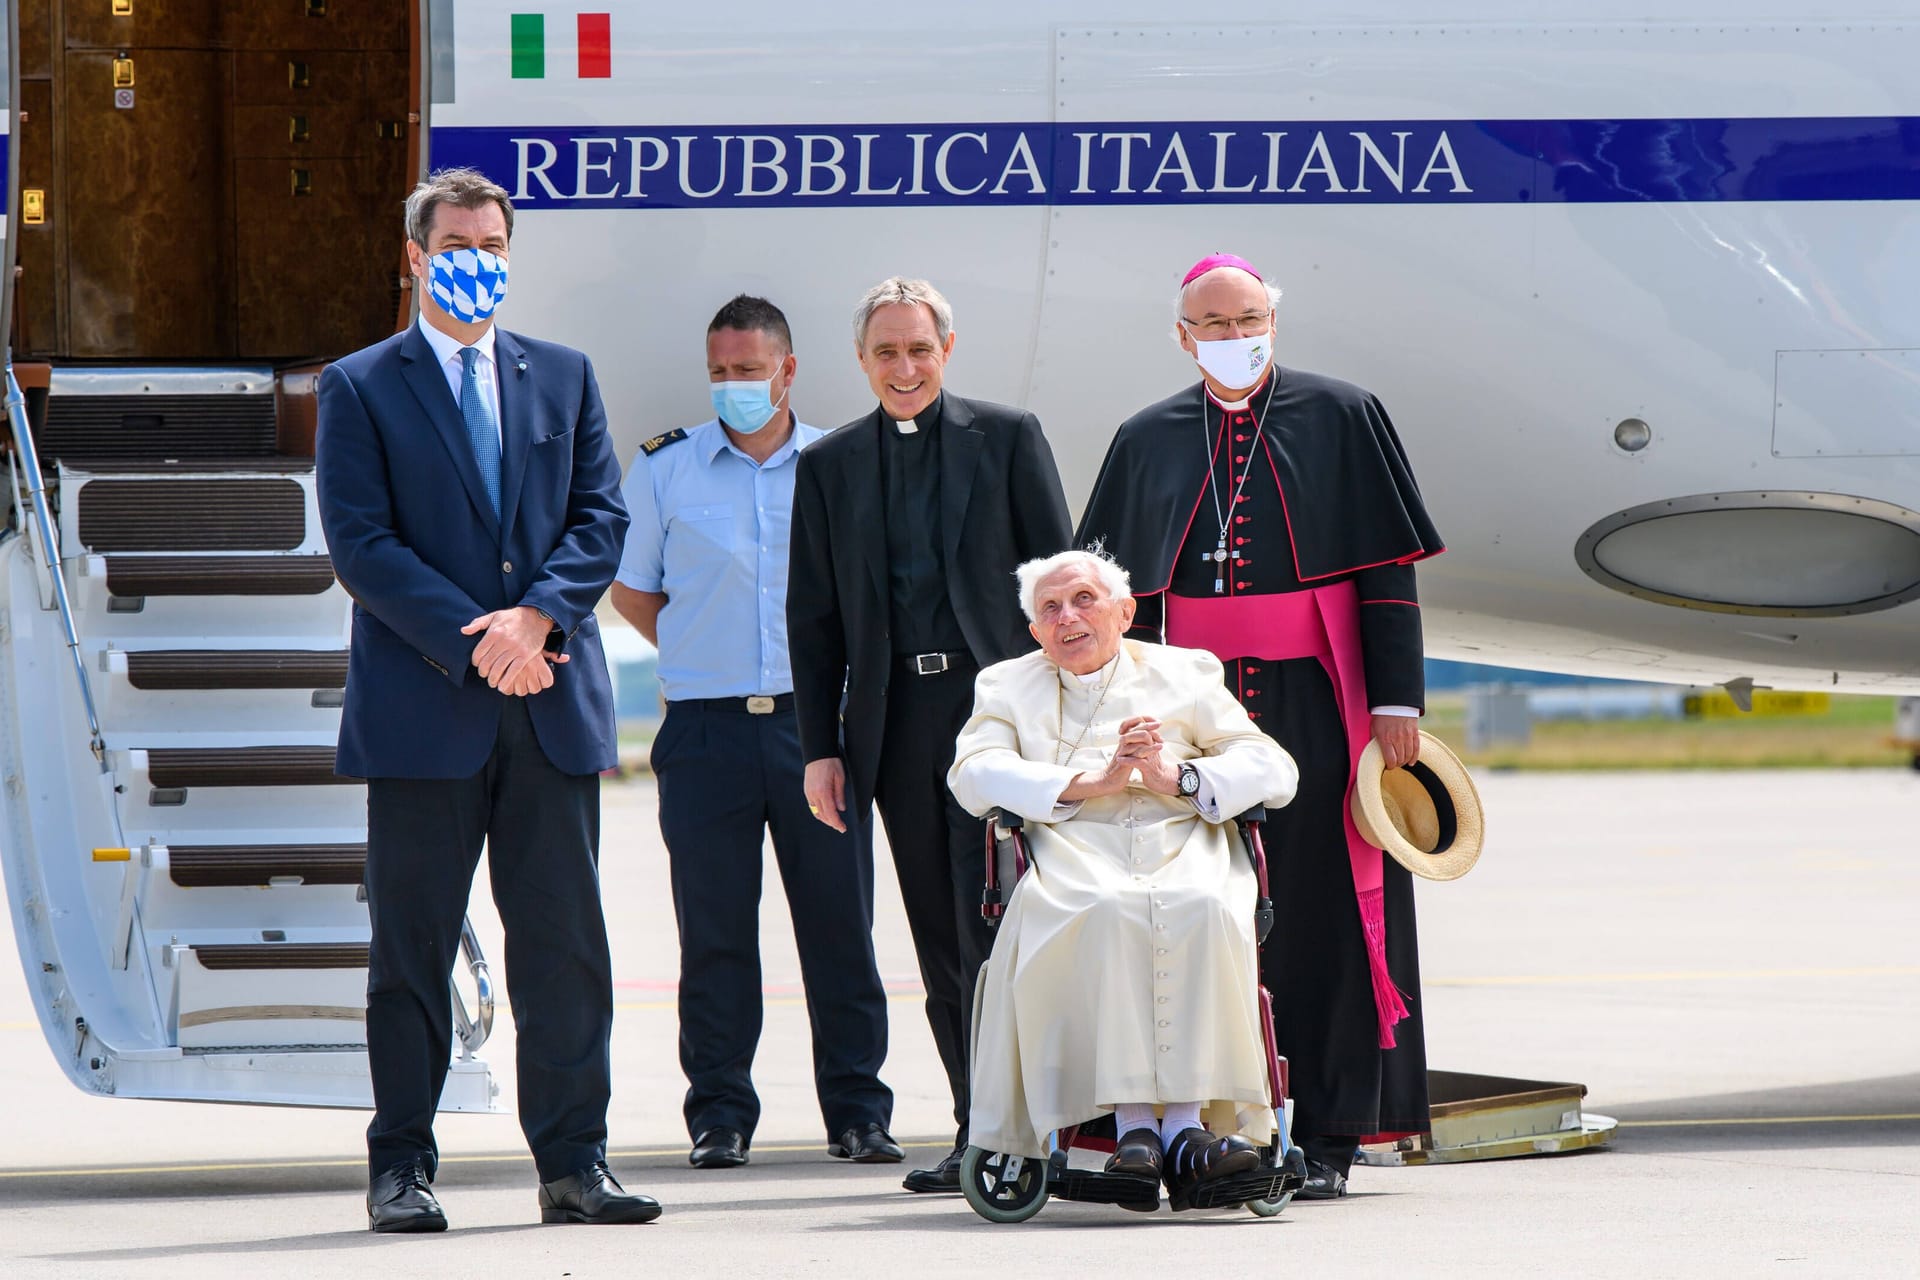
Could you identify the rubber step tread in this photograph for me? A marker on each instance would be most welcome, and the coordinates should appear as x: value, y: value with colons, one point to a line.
x: 251, y: 513
x: 282, y: 955
x: 242, y: 767
x: 218, y: 575
x: 209, y: 866
x: 80, y: 428
x: 237, y: 669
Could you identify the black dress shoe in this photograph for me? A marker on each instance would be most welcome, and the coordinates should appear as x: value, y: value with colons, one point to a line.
x: 1195, y: 1156
x: 1324, y: 1182
x: 944, y: 1176
x: 718, y: 1149
x: 869, y: 1143
x: 593, y: 1195
x: 400, y: 1200
x: 1139, y: 1154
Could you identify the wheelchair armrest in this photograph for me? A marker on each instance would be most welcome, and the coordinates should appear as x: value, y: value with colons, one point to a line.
x: 1006, y: 821
x: 1256, y: 814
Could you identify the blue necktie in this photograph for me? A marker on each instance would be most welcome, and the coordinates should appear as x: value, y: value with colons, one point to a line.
x: 481, y: 429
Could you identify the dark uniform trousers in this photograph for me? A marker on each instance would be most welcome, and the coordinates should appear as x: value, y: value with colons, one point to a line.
x: 541, y: 828
x: 938, y: 854
x: 727, y: 776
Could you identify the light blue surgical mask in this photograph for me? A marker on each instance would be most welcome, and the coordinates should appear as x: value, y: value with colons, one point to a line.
x: 468, y: 283
x: 746, y: 406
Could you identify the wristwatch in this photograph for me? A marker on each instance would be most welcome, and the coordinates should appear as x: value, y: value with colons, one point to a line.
x: 1189, y: 780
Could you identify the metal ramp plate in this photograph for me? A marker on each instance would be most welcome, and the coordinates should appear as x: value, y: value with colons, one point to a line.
x: 1482, y: 1117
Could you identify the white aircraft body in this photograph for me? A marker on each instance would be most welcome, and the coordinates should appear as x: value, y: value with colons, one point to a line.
x: 1639, y: 296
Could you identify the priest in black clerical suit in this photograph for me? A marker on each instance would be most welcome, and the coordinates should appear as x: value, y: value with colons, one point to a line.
x: 907, y: 526
x: 1270, y: 516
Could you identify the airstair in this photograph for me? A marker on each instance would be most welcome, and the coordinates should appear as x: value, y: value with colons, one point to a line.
x: 183, y: 865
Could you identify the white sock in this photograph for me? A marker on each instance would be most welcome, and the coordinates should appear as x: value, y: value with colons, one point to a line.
x: 1179, y: 1116
x: 1128, y: 1116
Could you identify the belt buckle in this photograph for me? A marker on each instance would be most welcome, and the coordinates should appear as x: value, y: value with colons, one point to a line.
x: 921, y: 661
x: 760, y: 705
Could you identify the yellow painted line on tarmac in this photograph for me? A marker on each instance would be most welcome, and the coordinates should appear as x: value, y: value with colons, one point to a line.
x: 1677, y: 975
x: 1732, y: 1120
x: 246, y: 1166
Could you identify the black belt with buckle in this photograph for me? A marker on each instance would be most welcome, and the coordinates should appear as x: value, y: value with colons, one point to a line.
x: 759, y: 704
x: 933, y: 664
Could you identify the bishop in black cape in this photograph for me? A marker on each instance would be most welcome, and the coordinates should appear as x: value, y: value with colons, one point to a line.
x: 1313, y: 489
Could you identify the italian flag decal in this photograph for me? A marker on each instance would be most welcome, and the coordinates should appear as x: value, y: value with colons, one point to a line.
x: 594, y: 42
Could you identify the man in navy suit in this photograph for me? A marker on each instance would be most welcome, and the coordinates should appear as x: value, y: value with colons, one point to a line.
x: 471, y: 501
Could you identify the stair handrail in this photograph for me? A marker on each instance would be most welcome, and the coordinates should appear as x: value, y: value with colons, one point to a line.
x: 50, y: 549
x: 472, y: 1030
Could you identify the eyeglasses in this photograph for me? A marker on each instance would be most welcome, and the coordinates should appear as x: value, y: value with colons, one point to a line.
x: 1214, y: 328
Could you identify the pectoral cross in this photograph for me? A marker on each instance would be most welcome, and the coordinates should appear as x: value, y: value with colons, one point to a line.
x: 1219, y: 557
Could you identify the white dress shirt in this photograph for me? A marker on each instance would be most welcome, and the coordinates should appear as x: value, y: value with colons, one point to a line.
x: 446, y: 349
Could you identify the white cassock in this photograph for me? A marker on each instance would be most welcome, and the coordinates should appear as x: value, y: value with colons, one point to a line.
x: 1125, y: 969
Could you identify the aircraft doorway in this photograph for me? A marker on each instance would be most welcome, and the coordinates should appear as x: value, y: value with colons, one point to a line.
x: 222, y: 182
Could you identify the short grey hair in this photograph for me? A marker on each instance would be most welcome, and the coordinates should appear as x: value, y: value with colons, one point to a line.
x: 1180, y: 294
x: 1117, y: 581
x: 461, y: 188
x: 894, y: 289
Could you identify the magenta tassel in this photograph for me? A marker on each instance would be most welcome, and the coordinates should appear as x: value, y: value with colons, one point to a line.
x: 1388, y: 1004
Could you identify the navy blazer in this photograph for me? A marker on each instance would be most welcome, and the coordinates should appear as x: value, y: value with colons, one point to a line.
x: 416, y: 544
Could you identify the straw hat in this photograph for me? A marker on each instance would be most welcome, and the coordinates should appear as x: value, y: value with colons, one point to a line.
x: 1426, y: 816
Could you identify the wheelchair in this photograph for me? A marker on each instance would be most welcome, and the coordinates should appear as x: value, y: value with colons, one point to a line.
x: 1006, y: 1188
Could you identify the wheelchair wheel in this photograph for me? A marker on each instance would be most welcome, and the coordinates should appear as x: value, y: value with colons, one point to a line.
x: 1270, y: 1208
x: 1003, y: 1188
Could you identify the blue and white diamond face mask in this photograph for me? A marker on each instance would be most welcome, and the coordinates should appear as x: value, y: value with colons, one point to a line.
x: 468, y: 283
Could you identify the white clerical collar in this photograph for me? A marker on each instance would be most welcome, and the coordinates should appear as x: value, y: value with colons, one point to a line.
x: 1096, y: 675
x: 906, y: 426
x: 1235, y: 405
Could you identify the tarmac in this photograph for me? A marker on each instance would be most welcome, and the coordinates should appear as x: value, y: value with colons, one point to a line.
x: 1729, y: 962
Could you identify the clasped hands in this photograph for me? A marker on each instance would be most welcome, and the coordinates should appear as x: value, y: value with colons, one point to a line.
x: 1139, y: 749
x: 512, y: 655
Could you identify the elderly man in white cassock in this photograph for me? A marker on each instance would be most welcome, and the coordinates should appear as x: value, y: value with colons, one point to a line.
x: 1124, y: 974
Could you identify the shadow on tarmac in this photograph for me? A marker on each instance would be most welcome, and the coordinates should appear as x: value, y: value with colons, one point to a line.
x: 1879, y: 1112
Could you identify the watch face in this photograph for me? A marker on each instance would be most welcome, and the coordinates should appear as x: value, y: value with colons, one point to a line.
x: 1189, y: 780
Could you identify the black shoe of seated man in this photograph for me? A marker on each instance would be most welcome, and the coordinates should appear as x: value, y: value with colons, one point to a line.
x: 1195, y: 1156
x: 718, y: 1149
x: 400, y: 1200
x: 593, y: 1195
x: 868, y: 1143
x: 1324, y: 1182
x: 943, y: 1177
x: 1138, y: 1154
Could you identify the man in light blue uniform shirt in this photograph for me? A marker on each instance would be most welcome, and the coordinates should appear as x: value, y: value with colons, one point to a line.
x: 704, y: 577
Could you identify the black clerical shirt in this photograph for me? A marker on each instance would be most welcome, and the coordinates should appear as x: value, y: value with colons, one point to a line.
x: 923, y: 617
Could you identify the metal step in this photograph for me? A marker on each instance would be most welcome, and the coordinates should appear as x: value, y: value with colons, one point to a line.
x: 191, y: 767
x: 241, y: 514
x: 155, y: 669
x: 131, y: 467
x: 218, y: 575
x: 281, y: 955
x: 158, y: 413
x: 206, y: 866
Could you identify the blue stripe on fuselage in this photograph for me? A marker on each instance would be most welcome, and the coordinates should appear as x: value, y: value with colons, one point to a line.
x: 1228, y: 162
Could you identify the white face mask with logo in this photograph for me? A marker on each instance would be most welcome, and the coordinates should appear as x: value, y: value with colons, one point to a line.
x: 1235, y: 363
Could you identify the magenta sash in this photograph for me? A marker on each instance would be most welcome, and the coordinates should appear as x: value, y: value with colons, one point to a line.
x: 1323, y: 623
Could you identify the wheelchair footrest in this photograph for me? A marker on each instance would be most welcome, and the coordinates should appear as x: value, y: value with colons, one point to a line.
x: 1105, y: 1188
x: 1266, y: 1183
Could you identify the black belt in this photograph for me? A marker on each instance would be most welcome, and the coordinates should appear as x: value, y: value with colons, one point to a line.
x: 759, y: 704
x: 933, y: 664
